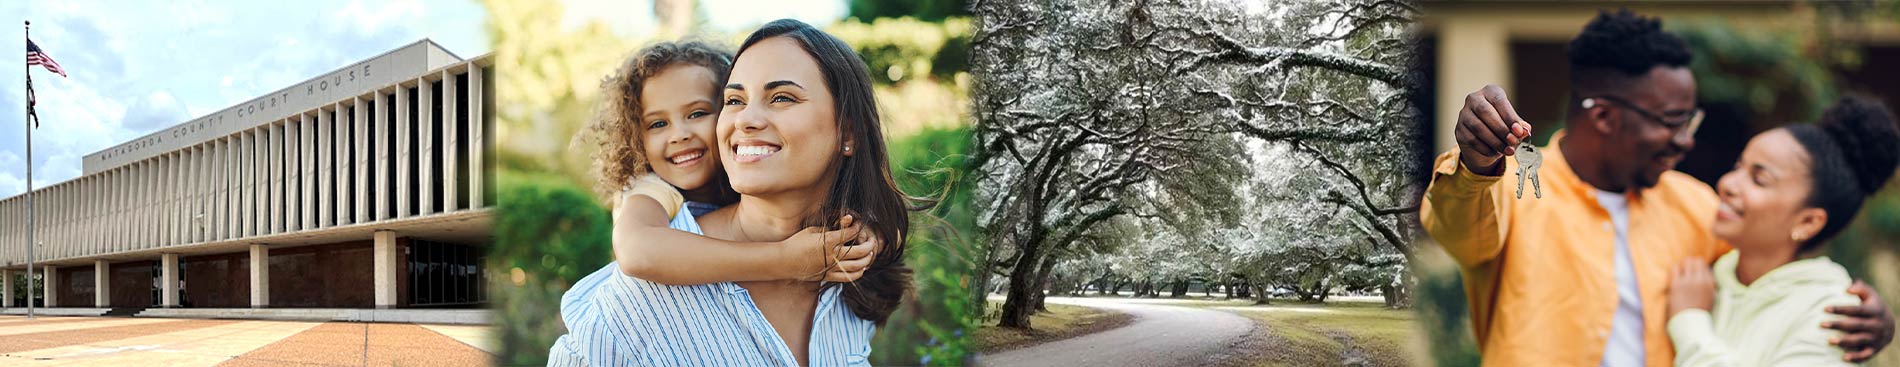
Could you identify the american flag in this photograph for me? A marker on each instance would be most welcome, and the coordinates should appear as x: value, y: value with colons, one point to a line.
x: 36, y: 57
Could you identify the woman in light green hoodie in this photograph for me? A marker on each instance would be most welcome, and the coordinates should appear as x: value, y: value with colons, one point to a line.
x: 1794, y: 188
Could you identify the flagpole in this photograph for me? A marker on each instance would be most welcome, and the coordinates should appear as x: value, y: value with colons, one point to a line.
x: 29, y: 179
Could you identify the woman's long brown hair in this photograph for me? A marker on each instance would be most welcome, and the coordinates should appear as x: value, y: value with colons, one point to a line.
x: 864, y: 186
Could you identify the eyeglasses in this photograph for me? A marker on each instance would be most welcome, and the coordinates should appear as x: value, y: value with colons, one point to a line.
x: 1685, y: 124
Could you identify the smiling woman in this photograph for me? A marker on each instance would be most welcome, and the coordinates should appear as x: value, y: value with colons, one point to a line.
x: 799, y: 156
x: 814, y: 106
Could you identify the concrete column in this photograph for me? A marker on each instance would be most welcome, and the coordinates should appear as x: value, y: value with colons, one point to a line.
x: 113, y: 221
x: 274, y: 180
x: 381, y: 162
x: 54, y: 222
x: 221, y: 214
x: 168, y: 204
x: 101, y: 283
x: 96, y: 241
x: 51, y: 279
x: 326, y: 148
x: 449, y: 140
x: 404, y: 171
x: 168, y: 280
x: 359, y: 161
x: 6, y: 288
x: 168, y: 190
x: 188, y: 207
x: 1483, y: 56
x: 344, y: 165
x: 293, y: 174
x: 385, y: 252
x: 122, y: 209
x: 88, y: 196
x: 149, y: 222
x: 307, y: 154
x: 247, y: 179
x: 260, y: 276
x: 477, y: 112
x: 204, y: 209
x: 260, y: 172
x: 426, y: 149
x: 108, y: 223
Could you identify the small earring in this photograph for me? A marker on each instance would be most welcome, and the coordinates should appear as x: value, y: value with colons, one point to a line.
x: 1796, y: 236
x: 847, y: 149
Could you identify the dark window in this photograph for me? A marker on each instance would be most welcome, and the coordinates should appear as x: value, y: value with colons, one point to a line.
x: 444, y: 274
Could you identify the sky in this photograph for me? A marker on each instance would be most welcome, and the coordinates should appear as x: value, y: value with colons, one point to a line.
x: 139, y: 66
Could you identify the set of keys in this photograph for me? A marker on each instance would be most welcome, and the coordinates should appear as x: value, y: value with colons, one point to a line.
x: 1528, y: 161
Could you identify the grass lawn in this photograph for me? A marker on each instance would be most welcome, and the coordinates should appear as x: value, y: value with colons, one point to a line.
x: 1346, y: 333
x: 1061, y: 322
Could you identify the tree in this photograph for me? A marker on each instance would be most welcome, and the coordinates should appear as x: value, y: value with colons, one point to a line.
x: 1089, y: 111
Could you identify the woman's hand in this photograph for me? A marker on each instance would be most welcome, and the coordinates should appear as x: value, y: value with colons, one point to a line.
x: 1692, y: 286
x: 846, y: 252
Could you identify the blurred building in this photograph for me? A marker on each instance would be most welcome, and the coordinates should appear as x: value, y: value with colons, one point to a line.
x: 1520, y: 46
x: 359, y: 188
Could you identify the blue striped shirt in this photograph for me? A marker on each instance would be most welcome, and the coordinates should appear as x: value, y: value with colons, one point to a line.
x: 618, y: 320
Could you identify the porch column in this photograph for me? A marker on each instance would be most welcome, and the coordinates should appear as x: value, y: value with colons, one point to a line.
x: 385, y: 252
x: 50, y: 280
x: 260, y: 276
x: 101, y: 284
x: 6, y: 288
x: 168, y: 280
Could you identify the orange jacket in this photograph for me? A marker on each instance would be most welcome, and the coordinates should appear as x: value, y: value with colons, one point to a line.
x: 1539, y: 274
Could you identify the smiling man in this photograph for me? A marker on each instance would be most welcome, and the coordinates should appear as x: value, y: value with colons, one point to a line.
x: 1579, y: 276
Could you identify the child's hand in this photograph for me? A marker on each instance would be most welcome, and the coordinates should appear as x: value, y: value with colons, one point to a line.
x: 853, y: 258
x: 845, y: 252
x: 1691, y: 287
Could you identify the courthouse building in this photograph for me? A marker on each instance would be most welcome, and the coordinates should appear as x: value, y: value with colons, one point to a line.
x: 360, y: 188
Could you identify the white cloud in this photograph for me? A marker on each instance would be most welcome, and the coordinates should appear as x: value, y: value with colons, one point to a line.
x: 11, y: 181
x: 370, y: 19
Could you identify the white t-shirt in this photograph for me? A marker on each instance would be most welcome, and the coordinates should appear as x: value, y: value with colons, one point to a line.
x: 1625, y: 346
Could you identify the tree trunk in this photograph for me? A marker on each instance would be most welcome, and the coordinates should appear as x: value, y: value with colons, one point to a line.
x: 1391, y: 295
x: 1042, y: 282
x: 1019, y: 303
x: 1325, y: 289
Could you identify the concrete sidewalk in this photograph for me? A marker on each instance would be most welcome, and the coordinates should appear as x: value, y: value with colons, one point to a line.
x: 120, y: 341
x: 409, y: 315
